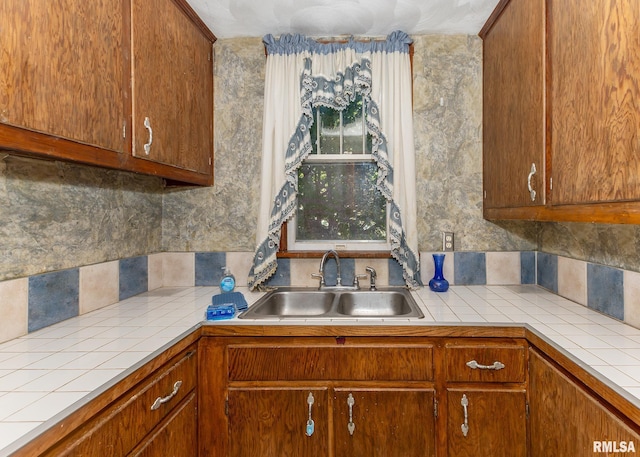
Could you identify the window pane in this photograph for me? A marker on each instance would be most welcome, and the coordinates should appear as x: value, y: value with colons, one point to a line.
x: 329, y: 130
x: 339, y: 201
x: 353, y: 128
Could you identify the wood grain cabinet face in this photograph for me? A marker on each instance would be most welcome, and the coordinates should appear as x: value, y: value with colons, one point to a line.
x: 487, y: 362
x: 127, y: 421
x: 78, y: 80
x: 386, y: 421
x: 560, y: 90
x: 176, y: 436
x: 172, y: 87
x: 390, y: 386
x: 267, y: 421
x: 62, y: 70
x: 495, y: 419
x: 566, y: 420
x: 486, y: 401
x: 595, y: 120
x: 513, y: 107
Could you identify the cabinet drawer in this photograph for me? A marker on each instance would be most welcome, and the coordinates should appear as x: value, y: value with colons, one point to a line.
x: 403, y: 362
x: 493, y: 362
x: 129, y: 419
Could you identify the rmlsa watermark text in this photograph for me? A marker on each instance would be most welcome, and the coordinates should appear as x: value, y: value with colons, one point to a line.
x: 614, y: 446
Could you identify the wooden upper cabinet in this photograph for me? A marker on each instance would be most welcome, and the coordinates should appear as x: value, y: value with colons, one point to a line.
x: 594, y: 52
x: 513, y: 107
x: 172, y: 87
x: 62, y: 71
x: 561, y: 90
x: 78, y: 79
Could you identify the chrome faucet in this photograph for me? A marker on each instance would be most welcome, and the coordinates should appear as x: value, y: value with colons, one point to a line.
x: 320, y: 274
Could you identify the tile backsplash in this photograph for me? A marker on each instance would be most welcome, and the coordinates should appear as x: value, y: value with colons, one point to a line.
x: 32, y: 303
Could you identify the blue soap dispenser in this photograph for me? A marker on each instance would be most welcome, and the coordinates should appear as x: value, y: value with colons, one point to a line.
x: 228, y: 281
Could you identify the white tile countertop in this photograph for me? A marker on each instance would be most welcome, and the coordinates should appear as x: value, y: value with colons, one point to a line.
x: 49, y: 373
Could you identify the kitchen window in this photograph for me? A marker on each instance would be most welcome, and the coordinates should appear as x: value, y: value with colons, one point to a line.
x: 339, y: 206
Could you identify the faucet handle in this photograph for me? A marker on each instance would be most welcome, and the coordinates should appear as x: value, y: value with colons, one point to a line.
x: 319, y: 276
x: 357, y: 278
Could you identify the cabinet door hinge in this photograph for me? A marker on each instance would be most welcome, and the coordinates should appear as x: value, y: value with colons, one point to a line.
x: 526, y: 409
x: 435, y: 408
x: 550, y: 183
x: 124, y: 129
x: 226, y: 406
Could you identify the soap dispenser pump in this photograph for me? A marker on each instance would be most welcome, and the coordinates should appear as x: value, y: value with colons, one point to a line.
x: 228, y: 281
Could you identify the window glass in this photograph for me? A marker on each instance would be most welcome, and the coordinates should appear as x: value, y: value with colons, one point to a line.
x: 338, y: 201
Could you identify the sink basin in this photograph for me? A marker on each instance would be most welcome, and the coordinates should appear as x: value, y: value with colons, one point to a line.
x: 294, y: 303
x: 374, y: 304
x: 304, y: 303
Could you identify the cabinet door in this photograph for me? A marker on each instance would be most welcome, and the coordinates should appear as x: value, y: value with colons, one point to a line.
x: 172, y: 87
x: 594, y: 50
x: 495, y: 420
x: 62, y: 69
x: 566, y: 421
x: 513, y: 107
x: 385, y: 422
x: 176, y: 437
x: 273, y: 422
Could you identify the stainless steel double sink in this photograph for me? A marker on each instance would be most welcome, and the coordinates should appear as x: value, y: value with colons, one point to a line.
x: 303, y: 303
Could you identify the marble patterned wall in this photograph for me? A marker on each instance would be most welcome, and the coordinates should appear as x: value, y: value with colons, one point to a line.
x: 448, y: 148
x: 223, y: 217
x: 55, y: 215
x: 607, y: 244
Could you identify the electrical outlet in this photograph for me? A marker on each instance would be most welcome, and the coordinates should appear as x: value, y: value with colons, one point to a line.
x: 447, y: 241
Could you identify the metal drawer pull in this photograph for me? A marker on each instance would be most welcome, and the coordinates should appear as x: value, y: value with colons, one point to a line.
x: 310, y: 424
x: 162, y: 400
x: 465, y: 427
x: 147, y: 146
x: 350, y: 402
x: 495, y: 366
x: 531, y: 191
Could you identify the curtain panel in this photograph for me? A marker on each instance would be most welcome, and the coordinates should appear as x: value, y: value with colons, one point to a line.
x: 302, y: 73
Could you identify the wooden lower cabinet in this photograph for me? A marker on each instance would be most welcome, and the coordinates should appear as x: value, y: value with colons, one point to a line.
x: 494, y: 420
x: 273, y: 421
x: 176, y: 436
x: 152, y: 412
x: 267, y: 421
x: 568, y: 421
x: 385, y: 422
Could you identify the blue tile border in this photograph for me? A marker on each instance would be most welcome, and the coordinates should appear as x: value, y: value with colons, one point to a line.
x: 208, y: 267
x: 134, y: 276
x: 547, y: 271
x: 605, y: 290
x: 53, y: 297
x: 469, y: 268
x: 396, y: 273
x: 282, y: 276
x: 527, y: 267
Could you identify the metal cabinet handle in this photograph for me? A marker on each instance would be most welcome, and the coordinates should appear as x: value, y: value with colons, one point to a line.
x: 465, y: 426
x: 310, y: 428
x: 350, y: 402
x: 147, y: 146
x: 531, y: 191
x: 162, y: 400
x: 494, y: 366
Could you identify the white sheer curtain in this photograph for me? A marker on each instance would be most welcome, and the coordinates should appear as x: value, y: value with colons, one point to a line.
x: 301, y: 73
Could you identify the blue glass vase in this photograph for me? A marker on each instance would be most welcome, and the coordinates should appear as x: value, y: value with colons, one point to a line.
x: 438, y: 283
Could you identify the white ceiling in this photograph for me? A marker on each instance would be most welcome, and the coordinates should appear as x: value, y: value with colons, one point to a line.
x: 256, y: 18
